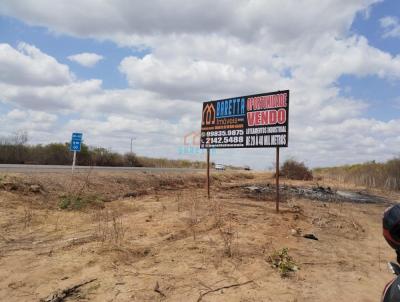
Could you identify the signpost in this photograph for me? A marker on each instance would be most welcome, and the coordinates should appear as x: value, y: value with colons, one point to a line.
x: 251, y: 121
x: 75, y: 146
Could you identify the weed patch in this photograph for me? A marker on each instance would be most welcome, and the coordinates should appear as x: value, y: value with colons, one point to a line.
x: 281, y: 260
x: 72, y: 202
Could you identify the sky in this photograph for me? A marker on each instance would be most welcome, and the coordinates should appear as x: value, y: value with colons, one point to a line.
x: 123, y: 69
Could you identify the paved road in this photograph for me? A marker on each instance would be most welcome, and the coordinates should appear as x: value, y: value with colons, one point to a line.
x: 63, y: 169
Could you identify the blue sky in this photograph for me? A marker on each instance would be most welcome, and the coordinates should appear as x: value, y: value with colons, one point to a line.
x: 371, y: 88
x: 340, y: 59
x: 61, y: 46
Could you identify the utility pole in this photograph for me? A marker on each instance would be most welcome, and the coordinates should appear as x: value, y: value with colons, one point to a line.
x: 132, y: 139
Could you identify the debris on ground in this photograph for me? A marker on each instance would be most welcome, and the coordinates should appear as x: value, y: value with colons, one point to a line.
x: 35, y: 188
x: 61, y: 295
x: 222, y: 288
x: 317, y: 192
x: 158, y: 290
x: 310, y: 236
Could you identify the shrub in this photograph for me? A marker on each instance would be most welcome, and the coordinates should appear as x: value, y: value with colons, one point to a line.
x: 292, y: 169
x: 73, y: 202
x: 281, y: 260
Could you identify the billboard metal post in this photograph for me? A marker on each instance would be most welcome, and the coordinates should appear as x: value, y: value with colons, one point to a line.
x: 208, y: 173
x: 277, y: 179
x: 73, y: 162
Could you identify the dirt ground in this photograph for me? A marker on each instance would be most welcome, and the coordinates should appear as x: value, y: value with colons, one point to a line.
x: 147, y: 237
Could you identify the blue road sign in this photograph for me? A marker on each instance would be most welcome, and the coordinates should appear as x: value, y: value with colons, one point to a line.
x: 76, y: 136
x: 76, y: 142
x: 75, y: 146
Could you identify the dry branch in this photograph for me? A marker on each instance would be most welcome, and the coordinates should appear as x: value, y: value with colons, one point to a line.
x: 158, y: 290
x: 60, y: 296
x: 223, y: 287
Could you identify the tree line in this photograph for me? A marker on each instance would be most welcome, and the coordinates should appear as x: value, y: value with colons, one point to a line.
x: 370, y: 174
x: 15, y: 150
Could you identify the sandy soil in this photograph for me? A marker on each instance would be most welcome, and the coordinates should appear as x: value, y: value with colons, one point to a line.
x: 168, y: 236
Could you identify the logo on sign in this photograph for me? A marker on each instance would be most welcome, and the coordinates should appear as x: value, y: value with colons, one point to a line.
x: 209, y: 115
x: 191, y: 143
x: 231, y: 108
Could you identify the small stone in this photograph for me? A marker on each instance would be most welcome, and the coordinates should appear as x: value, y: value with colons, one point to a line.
x: 35, y: 188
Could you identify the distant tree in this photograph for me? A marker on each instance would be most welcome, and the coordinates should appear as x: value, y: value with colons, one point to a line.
x: 292, y: 169
x: 13, y: 149
x: 132, y: 160
x: 54, y: 154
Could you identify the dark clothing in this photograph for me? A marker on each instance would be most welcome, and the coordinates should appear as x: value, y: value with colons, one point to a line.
x: 392, y: 291
x: 391, y: 226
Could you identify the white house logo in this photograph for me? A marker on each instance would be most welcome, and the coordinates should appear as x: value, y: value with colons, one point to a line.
x: 208, y: 115
x: 191, y: 143
x: 192, y: 138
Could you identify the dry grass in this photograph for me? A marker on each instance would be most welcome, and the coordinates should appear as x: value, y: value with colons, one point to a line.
x: 371, y: 175
x: 28, y: 216
x: 137, y: 241
x: 194, y: 218
x: 229, y: 235
x: 109, y: 227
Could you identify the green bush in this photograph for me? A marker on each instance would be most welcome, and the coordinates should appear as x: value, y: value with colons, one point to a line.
x: 281, y: 260
x: 73, y: 202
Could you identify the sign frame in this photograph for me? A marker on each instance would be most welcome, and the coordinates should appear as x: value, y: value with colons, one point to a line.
x: 265, y: 111
x: 269, y: 116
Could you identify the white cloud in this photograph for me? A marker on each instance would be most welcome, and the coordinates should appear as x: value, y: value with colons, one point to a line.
x: 31, y: 115
x: 391, y: 27
x: 188, y: 78
x: 59, y: 98
x: 194, y: 56
x: 86, y: 59
x: 27, y: 65
x: 38, y: 124
x: 279, y: 20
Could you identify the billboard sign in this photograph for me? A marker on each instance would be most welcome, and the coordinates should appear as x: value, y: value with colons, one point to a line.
x: 252, y: 121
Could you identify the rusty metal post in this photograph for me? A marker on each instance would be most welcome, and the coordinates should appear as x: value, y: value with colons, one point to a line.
x: 277, y: 179
x: 208, y: 173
